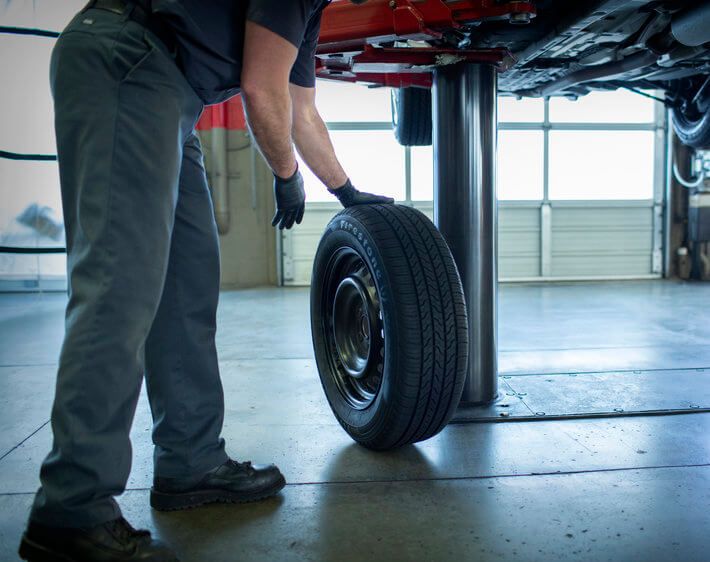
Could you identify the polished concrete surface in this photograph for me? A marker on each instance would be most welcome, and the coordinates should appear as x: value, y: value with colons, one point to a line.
x: 617, y: 489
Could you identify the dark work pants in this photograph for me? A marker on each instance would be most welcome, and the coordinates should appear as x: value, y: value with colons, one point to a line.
x: 143, y: 263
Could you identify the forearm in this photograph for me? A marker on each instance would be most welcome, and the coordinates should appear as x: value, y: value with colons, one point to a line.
x: 270, y: 120
x: 315, y: 147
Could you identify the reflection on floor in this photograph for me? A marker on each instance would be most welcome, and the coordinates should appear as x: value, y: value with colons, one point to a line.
x: 585, y: 489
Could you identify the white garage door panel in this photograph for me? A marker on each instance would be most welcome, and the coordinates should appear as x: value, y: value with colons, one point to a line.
x: 299, y: 245
x: 518, y: 242
x: 589, y: 267
x: 602, y: 241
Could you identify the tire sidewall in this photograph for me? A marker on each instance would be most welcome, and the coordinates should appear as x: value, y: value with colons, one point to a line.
x: 695, y: 134
x: 344, y: 231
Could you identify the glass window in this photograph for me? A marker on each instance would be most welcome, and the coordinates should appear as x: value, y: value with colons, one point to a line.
x: 30, y: 216
x: 422, y: 173
x: 520, y: 165
x: 620, y: 106
x: 373, y: 160
x: 601, y: 164
x: 43, y: 14
x: 526, y: 110
x: 26, y: 109
x: 24, y: 183
x: 340, y: 101
x: 520, y: 168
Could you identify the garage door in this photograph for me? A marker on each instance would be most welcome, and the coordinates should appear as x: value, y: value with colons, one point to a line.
x: 580, y: 183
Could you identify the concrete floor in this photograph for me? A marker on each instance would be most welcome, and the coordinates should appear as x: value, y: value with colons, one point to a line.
x: 620, y: 489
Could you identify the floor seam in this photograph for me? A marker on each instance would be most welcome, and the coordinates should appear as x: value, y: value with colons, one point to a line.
x: 503, y: 476
x: 620, y: 371
x: 450, y: 478
x: 11, y: 366
x: 24, y: 440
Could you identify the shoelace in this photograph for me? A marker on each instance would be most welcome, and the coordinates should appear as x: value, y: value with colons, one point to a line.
x: 245, y: 466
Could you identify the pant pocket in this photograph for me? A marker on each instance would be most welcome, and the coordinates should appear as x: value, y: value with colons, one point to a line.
x: 142, y: 61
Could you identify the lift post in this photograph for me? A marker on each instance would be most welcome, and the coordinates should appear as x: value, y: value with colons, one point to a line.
x: 466, y: 209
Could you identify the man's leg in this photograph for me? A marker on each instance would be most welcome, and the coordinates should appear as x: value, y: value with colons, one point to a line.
x: 123, y: 113
x: 182, y: 373
x: 185, y: 391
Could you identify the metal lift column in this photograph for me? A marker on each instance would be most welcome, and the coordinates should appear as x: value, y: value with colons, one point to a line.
x: 465, y: 206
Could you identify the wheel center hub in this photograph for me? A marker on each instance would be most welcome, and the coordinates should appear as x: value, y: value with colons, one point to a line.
x: 352, y: 326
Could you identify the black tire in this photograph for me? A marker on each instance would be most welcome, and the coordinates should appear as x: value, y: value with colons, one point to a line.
x: 693, y: 131
x: 389, y: 325
x: 691, y: 121
x: 411, y: 116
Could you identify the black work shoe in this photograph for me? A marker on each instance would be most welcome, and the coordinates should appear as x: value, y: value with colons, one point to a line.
x: 115, y: 541
x: 233, y: 482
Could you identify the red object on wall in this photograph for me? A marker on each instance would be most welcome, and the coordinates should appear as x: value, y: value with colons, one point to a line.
x: 227, y: 115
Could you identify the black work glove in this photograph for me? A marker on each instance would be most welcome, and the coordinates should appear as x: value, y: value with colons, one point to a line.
x: 349, y: 196
x: 290, y: 199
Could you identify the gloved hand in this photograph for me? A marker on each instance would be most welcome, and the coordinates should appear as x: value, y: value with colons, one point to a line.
x: 290, y: 199
x: 349, y: 196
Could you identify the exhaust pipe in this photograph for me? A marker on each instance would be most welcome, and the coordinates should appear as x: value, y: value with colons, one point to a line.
x: 692, y: 27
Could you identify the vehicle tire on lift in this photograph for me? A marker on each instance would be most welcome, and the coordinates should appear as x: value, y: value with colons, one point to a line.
x: 389, y: 325
x: 692, y: 130
x: 691, y: 118
x: 411, y: 116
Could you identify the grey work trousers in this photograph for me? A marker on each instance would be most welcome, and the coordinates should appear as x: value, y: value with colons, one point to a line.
x: 143, y: 266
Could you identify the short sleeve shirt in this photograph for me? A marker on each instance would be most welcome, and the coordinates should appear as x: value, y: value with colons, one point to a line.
x: 210, y: 38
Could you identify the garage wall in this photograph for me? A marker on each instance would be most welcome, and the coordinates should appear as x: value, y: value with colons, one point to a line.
x: 248, y: 248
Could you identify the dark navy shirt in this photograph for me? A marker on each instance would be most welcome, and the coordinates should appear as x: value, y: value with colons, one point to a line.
x: 210, y: 38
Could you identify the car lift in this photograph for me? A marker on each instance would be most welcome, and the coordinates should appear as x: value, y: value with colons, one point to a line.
x: 385, y: 43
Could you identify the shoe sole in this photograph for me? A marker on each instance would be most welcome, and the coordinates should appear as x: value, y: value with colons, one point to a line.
x: 33, y: 552
x: 175, y: 502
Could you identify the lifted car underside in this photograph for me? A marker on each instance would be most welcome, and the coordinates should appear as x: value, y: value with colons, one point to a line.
x: 547, y: 47
x: 541, y: 48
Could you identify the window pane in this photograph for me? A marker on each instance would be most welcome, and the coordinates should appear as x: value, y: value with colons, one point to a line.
x: 373, y: 160
x: 44, y: 14
x: 526, y: 110
x: 620, y: 106
x: 30, y: 216
x: 520, y: 165
x: 24, y: 183
x: 340, y: 101
x: 26, y: 110
x: 601, y: 164
x: 422, y: 173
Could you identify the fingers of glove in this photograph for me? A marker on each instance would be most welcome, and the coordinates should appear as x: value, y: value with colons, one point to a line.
x: 299, y: 217
x: 289, y: 219
x: 284, y: 220
x: 277, y: 218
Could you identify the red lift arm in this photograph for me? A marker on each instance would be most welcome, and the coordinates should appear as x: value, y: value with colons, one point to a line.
x: 352, y: 38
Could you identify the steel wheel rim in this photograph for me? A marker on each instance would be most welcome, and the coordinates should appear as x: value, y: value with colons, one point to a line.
x: 353, y: 328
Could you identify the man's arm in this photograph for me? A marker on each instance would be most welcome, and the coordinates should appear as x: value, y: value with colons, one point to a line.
x: 268, y: 59
x: 312, y: 140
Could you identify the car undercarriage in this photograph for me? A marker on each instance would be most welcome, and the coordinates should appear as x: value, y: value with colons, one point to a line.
x: 543, y: 48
